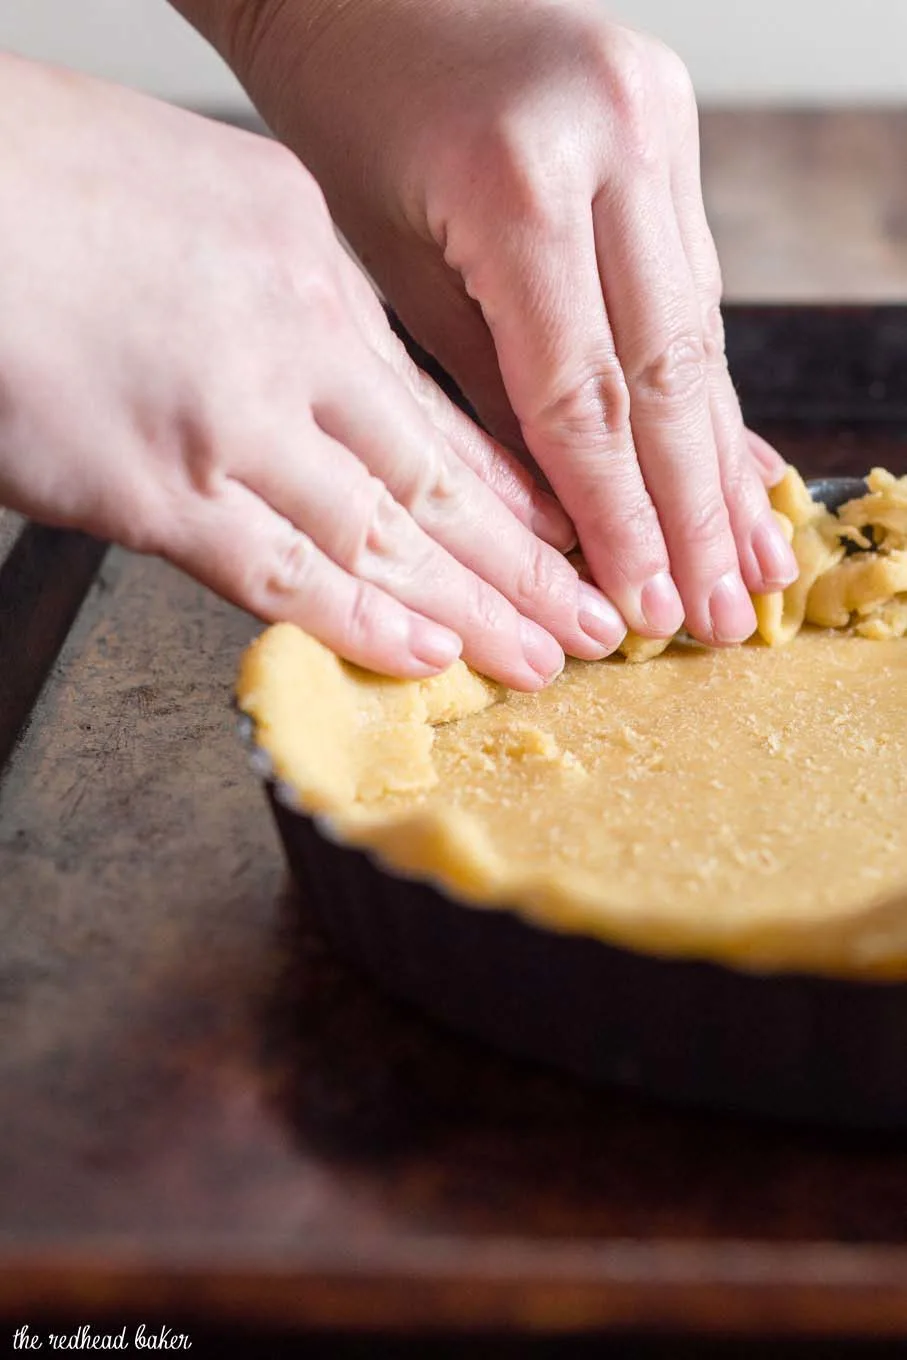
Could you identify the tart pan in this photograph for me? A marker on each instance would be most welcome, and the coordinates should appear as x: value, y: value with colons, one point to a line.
x: 787, y: 1046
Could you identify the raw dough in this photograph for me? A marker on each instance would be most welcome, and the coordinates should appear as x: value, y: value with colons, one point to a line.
x: 832, y: 590
x: 744, y: 805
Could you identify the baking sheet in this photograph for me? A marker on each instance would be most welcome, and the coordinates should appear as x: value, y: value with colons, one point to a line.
x: 205, y: 1117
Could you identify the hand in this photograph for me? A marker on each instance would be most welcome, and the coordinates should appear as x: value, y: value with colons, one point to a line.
x: 191, y: 365
x: 522, y: 179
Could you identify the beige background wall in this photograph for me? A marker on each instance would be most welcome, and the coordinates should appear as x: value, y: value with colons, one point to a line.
x: 740, y: 51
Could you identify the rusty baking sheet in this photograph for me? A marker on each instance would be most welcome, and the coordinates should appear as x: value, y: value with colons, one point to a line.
x: 204, y: 1117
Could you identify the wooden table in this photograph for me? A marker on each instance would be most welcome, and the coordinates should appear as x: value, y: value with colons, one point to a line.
x: 205, y: 1120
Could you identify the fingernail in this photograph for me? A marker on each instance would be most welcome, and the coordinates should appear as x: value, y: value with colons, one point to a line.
x: 552, y: 523
x: 599, y: 619
x: 540, y: 650
x: 731, y: 610
x: 777, y: 563
x: 432, y: 644
x: 662, y: 607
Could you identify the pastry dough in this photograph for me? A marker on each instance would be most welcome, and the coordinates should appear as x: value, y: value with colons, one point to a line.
x: 745, y: 805
x: 832, y: 590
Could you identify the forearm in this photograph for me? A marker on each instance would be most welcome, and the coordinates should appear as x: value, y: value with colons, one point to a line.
x: 301, y: 61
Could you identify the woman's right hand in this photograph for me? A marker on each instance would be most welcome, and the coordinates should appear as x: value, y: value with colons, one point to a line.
x: 522, y: 178
x: 191, y: 365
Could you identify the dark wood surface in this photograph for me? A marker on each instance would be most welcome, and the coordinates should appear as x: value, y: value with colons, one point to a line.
x: 203, y: 1116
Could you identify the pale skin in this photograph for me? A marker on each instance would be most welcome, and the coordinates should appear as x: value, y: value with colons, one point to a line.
x: 191, y: 365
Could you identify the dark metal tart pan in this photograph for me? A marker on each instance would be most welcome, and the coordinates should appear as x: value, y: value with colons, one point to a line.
x: 787, y: 1046
x: 828, y: 385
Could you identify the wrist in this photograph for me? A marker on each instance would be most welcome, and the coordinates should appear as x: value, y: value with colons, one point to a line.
x: 299, y: 61
x: 253, y: 36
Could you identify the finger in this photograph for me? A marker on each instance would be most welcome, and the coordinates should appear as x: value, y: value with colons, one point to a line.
x: 657, y: 325
x: 389, y: 433
x: 510, y: 479
x: 769, y: 462
x: 766, y: 560
x: 235, y: 544
x: 541, y: 297
x: 355, y: 521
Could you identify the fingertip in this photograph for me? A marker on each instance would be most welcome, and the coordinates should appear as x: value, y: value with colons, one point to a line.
x: 600, y: 621
x: 661, y: 607
x: 542, y: 653
x: 774, y: 556
x: 432, y: 646
x: 731, y: 616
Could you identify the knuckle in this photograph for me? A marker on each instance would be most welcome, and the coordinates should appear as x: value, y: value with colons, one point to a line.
x: 290, y: 203
x: 536, y: 577
x: 278, y: 162
x: 380, y: 532
x: 744, y: 493
x: 317, y: 295
x: 522, y: 168
x: 629, y: 78
x: 435, y: 490
x: 613, y: 397
x: 634, y: 536
x: 677, y: 376
x: 676, y: 81
x: 707, y: 521
x: 292, y: 568
x: 542, y: 574
x: 294, y: 287
x: 489, y: 611
x: 590, y: 410
x: 290, y: 209
x: 361, y: 619
x: 202, y: 466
